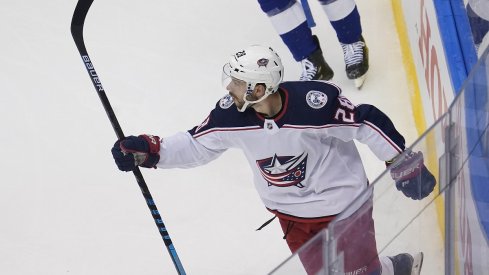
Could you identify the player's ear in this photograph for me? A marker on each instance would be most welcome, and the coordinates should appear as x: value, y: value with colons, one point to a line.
x: 259, y: 90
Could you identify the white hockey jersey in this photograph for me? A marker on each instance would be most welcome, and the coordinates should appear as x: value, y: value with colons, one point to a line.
x: 305, y: 163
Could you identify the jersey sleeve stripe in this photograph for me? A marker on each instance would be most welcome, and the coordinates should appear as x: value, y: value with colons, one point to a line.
x: 390, y: 141
x: 320, y: 127
x: 226, y: 130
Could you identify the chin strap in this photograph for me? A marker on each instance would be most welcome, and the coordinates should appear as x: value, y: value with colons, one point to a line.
x: 248, y: 103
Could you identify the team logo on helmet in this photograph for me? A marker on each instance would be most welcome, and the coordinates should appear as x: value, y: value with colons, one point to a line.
x: 316, y: 99
x: 284, y: 171
x: 262, y: 62
x: 226, y: 102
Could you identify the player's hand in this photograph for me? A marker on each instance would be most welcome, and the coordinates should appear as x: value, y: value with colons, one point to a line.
x: 132, y: 151
x: 412, y: 177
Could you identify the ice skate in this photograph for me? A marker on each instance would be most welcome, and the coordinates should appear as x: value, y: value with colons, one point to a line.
x: 417, y: 263
x: 314, y: 67
x: 405, y: 264
x: 356, y: 60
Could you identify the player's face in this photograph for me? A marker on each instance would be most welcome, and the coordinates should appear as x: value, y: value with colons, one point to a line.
x: 237, y: 89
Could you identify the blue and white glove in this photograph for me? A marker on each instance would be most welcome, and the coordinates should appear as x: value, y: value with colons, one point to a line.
x: 411, y: 176
x: 132, y: 151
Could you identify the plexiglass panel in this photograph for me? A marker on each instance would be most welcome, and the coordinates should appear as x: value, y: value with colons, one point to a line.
x: 449, y: 226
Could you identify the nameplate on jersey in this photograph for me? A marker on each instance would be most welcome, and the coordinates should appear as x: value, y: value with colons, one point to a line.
x: 316, y: 99
x: 270, y: 127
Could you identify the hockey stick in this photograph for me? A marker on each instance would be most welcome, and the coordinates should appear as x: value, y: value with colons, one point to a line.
x: 308, y: 13
x: 77, y: 23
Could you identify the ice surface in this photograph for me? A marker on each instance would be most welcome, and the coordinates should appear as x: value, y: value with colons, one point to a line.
x: 64, y: 206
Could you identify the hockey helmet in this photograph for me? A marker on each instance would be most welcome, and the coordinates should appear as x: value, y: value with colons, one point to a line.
x: 255, y: 65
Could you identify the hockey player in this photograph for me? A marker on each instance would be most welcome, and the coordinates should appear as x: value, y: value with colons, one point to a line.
x: 289, y: 20
x: 298, y: 139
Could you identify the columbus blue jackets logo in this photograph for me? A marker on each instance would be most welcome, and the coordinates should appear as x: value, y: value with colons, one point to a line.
x: 226, y: 102
x: 316, y: 99
x: 284, y: 171
x: 262, y: 62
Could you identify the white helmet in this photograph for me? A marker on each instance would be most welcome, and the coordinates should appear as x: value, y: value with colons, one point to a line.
x: 255, y: 65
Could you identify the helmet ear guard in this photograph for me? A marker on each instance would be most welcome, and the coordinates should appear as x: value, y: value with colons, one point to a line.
x: 255, y: 65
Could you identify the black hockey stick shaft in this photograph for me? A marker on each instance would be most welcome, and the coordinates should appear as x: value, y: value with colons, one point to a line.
x: 77, y: 23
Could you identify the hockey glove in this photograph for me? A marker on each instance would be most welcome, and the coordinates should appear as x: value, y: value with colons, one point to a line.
x: 412, y: 177
x: 132, y: 151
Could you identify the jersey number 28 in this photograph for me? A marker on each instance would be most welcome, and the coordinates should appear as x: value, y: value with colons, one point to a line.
x: 345, y: 111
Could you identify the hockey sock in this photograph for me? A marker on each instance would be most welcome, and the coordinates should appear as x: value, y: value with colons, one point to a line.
x: 345, y: 19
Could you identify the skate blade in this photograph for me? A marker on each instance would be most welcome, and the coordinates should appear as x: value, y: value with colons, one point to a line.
x: 359, y: 81
x: 417, y: 263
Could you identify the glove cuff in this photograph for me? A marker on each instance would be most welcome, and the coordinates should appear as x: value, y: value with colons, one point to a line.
x: 153, y: 155
x: 153, y: 143
x: 151, y: 161
x: 407, y: 166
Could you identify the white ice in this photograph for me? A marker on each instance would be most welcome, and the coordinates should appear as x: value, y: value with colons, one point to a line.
x: 64, y: 206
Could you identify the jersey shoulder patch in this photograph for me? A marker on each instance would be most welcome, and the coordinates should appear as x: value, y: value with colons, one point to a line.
x: 316, y: 99
x: 226, y: 101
